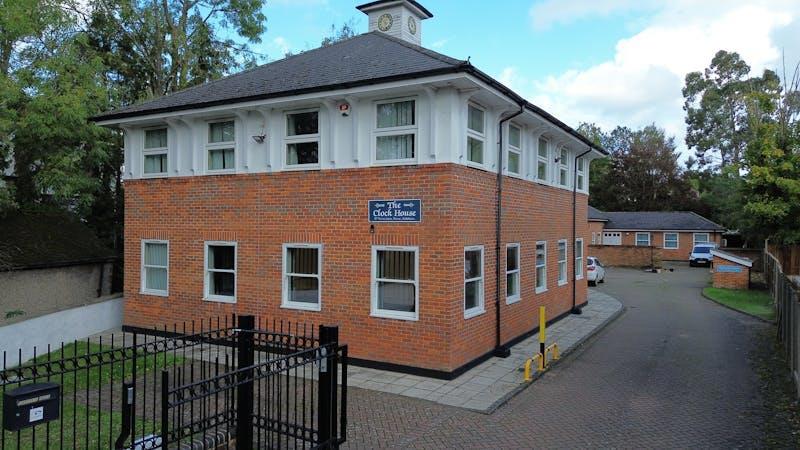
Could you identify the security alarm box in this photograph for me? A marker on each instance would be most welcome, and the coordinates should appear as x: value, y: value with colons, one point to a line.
x: 30, y: 405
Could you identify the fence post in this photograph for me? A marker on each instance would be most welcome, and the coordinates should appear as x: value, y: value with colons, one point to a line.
x: 326, y: 408
x: 245, y: 357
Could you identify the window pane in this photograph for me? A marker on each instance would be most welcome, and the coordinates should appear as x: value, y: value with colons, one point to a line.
x: 155, y: 138
x: 580, y: 181
x: 302, y: 153
x: 701, y: 237
x: 155, y: 254
x: 562, y: 251
x: 395, y: 265
x: 155, y: 163
x: 512, y: 257
x: 395, y: 147
x: 302, y: 260
x: 303, y: 289
x: 642, y: 239
x: 540, y: 254
x: 579, y: 249
x: 562, y: 177
x: 542, y: 148
x: 475, y: 119
x: 540, y: 276
x: 472, y: 294
x: 155, y: 278
x: 221, y: 283
x: 563, y: 157
x: 475, y: 150
x: 473, y: 266
x: 513, y: 162
x: 221, y: 132
x: 302, y: 123
x: 511, y: 284
x: 542, y: 171
x: 219, y: 159
x: 221, y: 257
x: 396, y: 296
x: 396, y: 114
x: 514, y: 136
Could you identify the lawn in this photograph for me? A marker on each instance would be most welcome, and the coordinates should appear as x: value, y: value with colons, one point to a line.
x: 756, y: 303
x: 86, y: 425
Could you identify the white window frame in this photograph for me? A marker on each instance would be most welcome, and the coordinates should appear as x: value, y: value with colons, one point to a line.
x: 562, y: 166
x: 300, y: 139
x: 543, y: 159
x: 565, y: 279
x: 543, y: 287
x: 475, y: 135
x: 480, y: 308
x: 578, y: 259
x: 143, y: 289
x: 677, y: 241
x: 154, y: 151
x: 395, y: 131
x: 580, y: 178
x: 388, y: 314
x: 206, y: 284
x: 221, y: 145
x: 285, y: 302
x: 518, y: 296
x: 636, y: 238
x: 695, y: 241
x: 517, y: 150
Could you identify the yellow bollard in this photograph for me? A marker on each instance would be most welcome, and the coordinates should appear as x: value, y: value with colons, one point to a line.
x: 542, y: 329
x: 528, y: 376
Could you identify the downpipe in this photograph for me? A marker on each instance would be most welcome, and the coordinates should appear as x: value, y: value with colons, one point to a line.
x: 575, y: 309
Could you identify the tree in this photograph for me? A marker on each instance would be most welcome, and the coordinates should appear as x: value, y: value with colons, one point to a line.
x: 642, y: 172
x: 345, y: 31
x: 716, y: 110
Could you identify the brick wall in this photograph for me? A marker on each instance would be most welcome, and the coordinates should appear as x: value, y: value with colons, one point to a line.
x: 685, y: 243
x: 729, y: 280
x: 596, y: 229
x: 263, y: 211
x: 627, y: 255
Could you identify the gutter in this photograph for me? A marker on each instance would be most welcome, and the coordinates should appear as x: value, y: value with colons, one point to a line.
x: 499, y: 349
x: 575, y: 309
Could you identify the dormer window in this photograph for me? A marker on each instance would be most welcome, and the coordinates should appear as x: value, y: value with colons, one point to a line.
x: 155, y: 151
x: 514, y: 149
x: 302, y: 139
x: 395, y: 131
x: 221, y: 146
x: 475, y: 134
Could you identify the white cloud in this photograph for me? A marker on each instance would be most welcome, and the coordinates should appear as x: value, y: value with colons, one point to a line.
x: 282, y: 44
x: 551, y: 12
x: 439, y: 44
x: 642, y: 83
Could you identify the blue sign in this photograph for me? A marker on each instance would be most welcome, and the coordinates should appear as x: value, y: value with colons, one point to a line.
x: 731, y: 269
x: 409, y: 211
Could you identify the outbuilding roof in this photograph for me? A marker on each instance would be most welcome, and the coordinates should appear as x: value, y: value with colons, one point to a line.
x: 660, y: 220
x: 367, y: 59
x: 595, y: 215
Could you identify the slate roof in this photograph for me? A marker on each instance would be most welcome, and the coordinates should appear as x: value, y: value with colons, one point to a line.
x: 367, y: 59
x: 660, y: 220
x: 47, y: 239
x: 597, y: 215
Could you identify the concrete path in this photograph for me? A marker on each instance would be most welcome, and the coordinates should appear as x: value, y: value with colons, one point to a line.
x: 491, y: 383
x: 671, y: 372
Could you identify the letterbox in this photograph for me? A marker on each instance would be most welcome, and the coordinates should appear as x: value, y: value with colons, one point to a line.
x: 30, y: 405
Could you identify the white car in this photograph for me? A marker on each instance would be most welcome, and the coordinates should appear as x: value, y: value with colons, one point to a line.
x: 595, y: 272
x: 701, y: 255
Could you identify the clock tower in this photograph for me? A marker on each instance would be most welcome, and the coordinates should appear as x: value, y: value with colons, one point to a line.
x: 399, y: 18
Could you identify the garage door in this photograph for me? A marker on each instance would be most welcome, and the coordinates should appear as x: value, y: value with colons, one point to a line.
x: 612, y: 238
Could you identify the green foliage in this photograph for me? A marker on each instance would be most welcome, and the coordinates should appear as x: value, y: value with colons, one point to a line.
x: 756, y: 303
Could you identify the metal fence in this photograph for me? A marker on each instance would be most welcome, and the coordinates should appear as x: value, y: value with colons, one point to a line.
x: 222, y: 383
x: 786, y: 295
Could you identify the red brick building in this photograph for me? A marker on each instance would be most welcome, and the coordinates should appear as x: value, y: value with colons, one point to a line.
x: 358, y: 184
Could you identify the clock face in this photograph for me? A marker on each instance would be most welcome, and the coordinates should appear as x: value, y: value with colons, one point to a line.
x: 385, y: 22
x: 412, y: 25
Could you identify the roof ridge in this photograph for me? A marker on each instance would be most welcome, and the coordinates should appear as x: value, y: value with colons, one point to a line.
x: 425, y: 51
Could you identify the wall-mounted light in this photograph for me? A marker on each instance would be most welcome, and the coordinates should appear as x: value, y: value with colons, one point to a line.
x: 259, y: 138
x: 344, y: 109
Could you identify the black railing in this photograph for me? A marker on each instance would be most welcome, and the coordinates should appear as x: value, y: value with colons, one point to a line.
x: 257, y: 384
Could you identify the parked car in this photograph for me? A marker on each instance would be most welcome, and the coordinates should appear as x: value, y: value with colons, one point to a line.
x: 701, y: 255
x: 595, y: 272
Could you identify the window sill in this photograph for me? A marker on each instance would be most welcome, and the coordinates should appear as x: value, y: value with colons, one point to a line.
x: 154, y: 293
x: 541, y: 290
x: 391, y: 315
x: 394, y: 162
x: 579, y: 277
x: 475, y: 165
x: 220, y: 171
x: 301, y: 167
x: 563, y: 283
x: 302, y: 306
x: 474, y: 312
x: 219, y: 299
x: 512, y: 300
x: 155, y: 175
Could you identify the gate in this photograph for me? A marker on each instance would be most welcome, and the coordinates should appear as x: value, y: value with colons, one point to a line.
x: 222, y: 383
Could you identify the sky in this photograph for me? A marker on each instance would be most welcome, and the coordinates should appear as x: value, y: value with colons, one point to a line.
x: 610, y: 62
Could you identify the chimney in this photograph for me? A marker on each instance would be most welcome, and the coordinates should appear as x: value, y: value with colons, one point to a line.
x: 399, y: 18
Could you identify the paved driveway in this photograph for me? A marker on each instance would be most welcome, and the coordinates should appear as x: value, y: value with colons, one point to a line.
x: 672, y: 371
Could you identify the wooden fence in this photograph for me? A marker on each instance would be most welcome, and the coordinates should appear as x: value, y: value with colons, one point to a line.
x: 785, y: 290
x: 788, y: 256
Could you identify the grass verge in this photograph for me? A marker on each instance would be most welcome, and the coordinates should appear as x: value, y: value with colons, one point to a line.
x: 755, y: 303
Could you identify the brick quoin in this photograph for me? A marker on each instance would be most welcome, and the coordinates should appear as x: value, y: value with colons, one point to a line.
x: 261, y: 212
